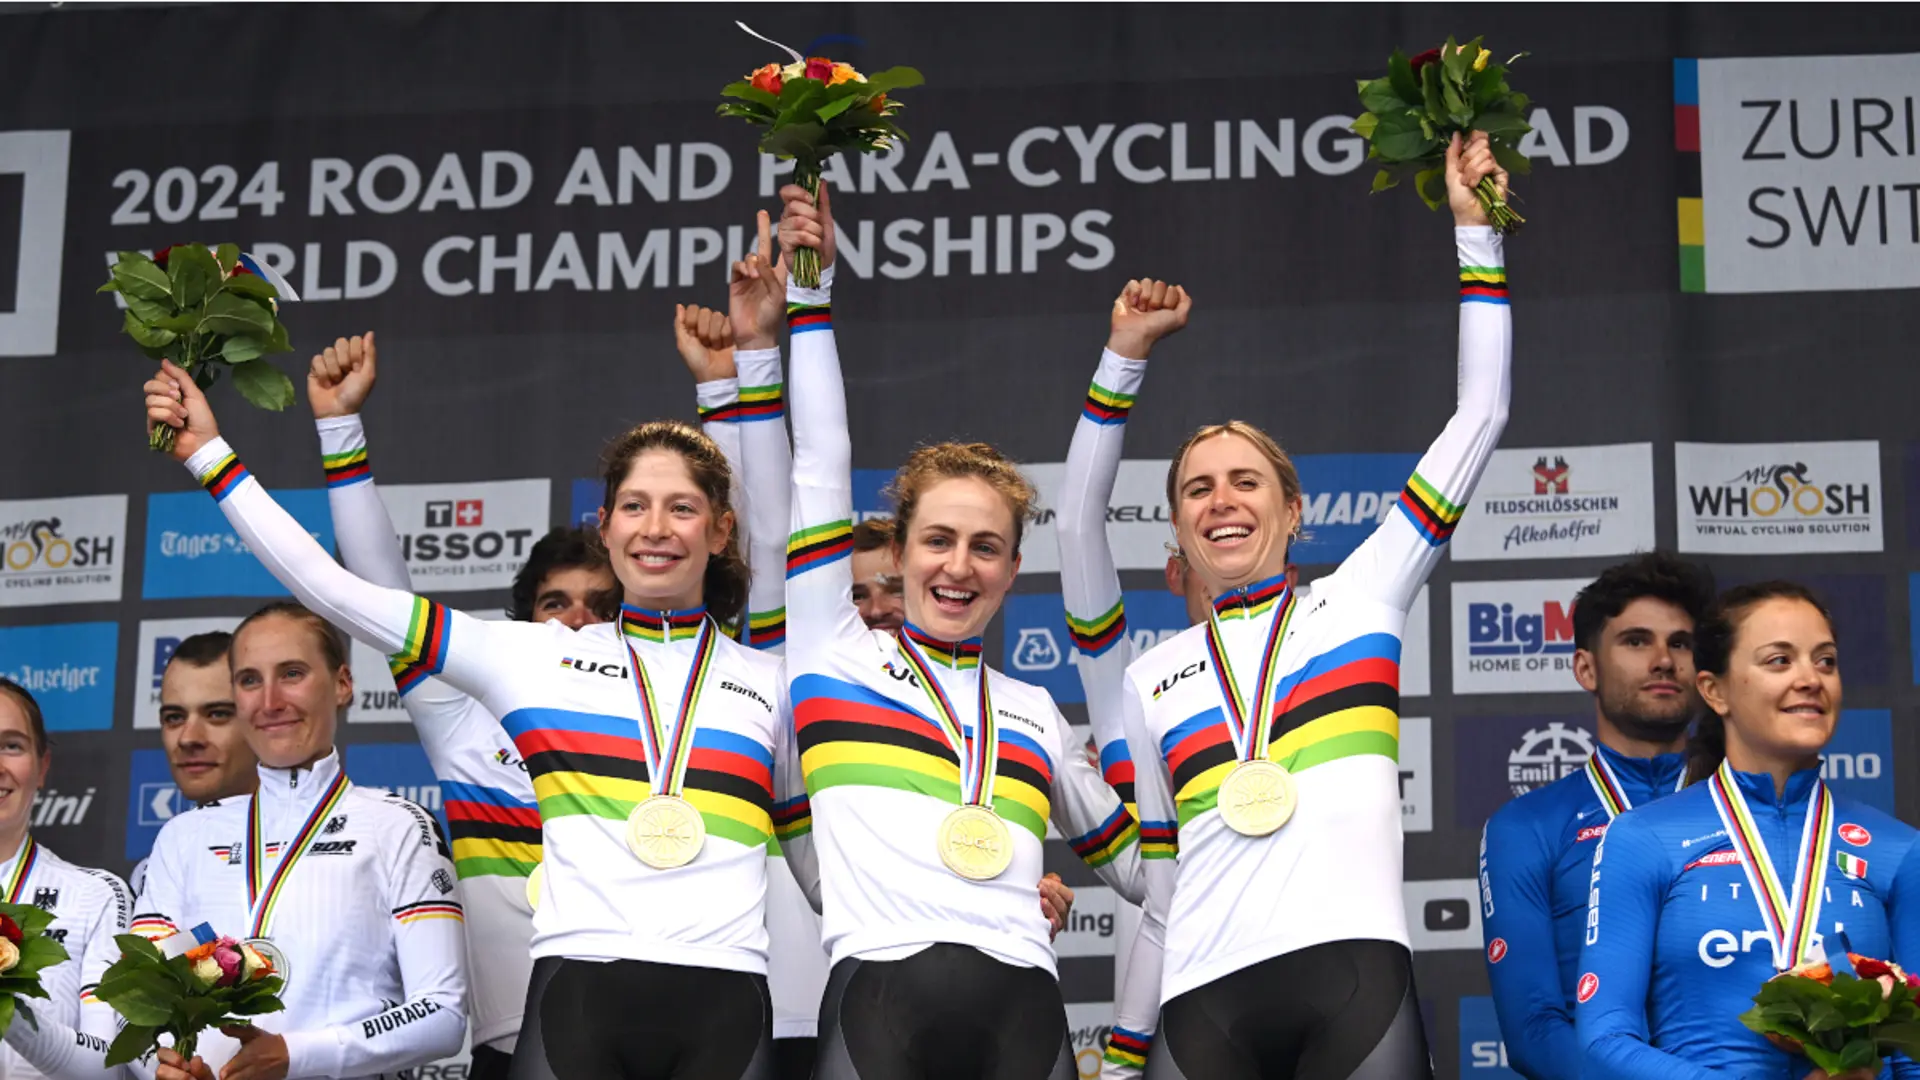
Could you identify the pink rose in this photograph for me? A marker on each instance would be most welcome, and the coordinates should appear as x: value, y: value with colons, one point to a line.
x: 228, y: 957
x: 819, y: 67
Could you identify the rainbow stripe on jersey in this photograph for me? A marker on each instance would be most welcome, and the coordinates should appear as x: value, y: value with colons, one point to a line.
x: 1432, y: 514
x: 1105, y: 407
x: 1093, y: 637
x: 424, y: 653
x: 661, y: 626
x: 347, y: 468
x: 1483, y: 285
x: 805, y: 318
x: 818, y: 545
x: 225, y: 475
x: 494, y: 834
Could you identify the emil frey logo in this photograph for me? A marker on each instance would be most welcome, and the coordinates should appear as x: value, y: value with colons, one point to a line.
x: 1547, y: 754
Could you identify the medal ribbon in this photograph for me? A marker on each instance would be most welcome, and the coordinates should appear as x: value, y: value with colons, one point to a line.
x: 1607, y: 786
x: 980, y: 755
x: 668, y: 749
x: 1249, y: 721
x: 261, y: 897
x: 1790, y: 924
x: 22, y: 869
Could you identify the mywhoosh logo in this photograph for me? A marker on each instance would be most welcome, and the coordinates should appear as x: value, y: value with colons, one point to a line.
x: 33, y: 230
x: 1560, y: 502
x: 1513, y: 637
x: 467, y: 537
x: 68, y: 669
x: 1780, y: 498
x: 61, y: 551
x: 158, y: 639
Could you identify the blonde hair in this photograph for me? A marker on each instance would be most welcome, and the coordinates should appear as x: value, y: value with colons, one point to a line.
x: 1263, y: 442
x: 929, y: 465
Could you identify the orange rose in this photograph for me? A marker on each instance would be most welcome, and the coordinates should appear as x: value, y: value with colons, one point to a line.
x: 879, y: 103
x: 845, y: 73
x: 766, y: 78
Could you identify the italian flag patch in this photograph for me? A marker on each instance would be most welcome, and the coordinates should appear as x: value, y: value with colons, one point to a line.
x: 1851, y: 865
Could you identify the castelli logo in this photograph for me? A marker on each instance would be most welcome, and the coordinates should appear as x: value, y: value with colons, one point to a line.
x: 1588, y: 984
x: 1496, y: 950
x: 1855, y: 835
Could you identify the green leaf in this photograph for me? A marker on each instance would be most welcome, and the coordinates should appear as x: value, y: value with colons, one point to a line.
x: 7, y: 1005
x: 1430, y: 97
x: 795, y: 140
x: 264, y: 385
x: 1384, y: 180
x: 134, y: 1041
x: 756, y: 113
x: 1431, y: 184
x: 1379, y: 96
x: 193, y: 274
x: 38, y: 953
x: 1400, y: 137
x: 228, y: 256
x: 241, y: 349
x: 137, y: 947
x: 230, y: 314
x: 1500, y: 121
x: 834, y: 108
x: 894, y: 78
x: 1364, y: 124
x: 147, y: 337
x: 277, y: 341
x: 1902, y: 1036
x: 1458, y: 112
x: 32, y: 920
x: 139, y: 276
x: 251, y: 285
x: 1860, y: 1053
x: 1518, y: 164
x: 1456, y: 61
x: 746, y: 91
x: 146, y: 999
x: 1400, y: 74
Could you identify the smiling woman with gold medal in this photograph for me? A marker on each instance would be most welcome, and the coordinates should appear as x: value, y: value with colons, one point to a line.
x: 1265, y: 740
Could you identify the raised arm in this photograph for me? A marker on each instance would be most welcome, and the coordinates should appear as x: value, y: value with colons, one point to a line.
x: 756, y: 308
x: 339, y: 380
x: 705, y: 343
x: 1137, y: 1010
x: 1516, y: 868
x: 1394, y: 562
x: 820, y: 609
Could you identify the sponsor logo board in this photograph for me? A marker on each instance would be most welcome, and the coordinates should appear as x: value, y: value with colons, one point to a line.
x: 1483, y: 1050
x: 30, y: 317
x: 1416, y: 774
x: 1778, y: 498
x: 1497, y: 758
x: 68, y: 667
x: 61, y: 551
x: 1858, y: 760
x: 470, y: 536
x: 1514, y: 637
x: 152, y: 801
x: 1560, y: 502
x: 192, y: 551
x: 1443, y: 914
x: 1039, y: 650
x: 400, y: 768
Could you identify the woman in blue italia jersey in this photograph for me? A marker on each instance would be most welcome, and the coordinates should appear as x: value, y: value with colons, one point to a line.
x: 1699, y: 898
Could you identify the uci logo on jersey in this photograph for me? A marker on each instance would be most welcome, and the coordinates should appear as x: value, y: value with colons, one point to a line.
x: 902, y: 674
x: 1170, y: 681
x: 595, y: 667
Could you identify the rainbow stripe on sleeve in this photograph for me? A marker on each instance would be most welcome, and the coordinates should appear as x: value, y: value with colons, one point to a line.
x: 425, y: 651
x: 806, y: 318
x: 1106, y: 406
x: 812, y: 548
x: 347, y: 468
x: 724, y: 413
x: 1128, y: 1048
x: 1093, y: 637
x: 1432, y: 515
x: 1159, y: 840
x: 1483, y: 285
x: 767, y: 629
x: 792, y: 819
x: 225, y: 475
x: 1104, y: 844
x: 763, y: 402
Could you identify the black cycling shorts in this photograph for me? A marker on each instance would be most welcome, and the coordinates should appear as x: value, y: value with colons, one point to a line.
x: 1344, y: 1010
x: 631, y: 1020
x: 947, y: 1012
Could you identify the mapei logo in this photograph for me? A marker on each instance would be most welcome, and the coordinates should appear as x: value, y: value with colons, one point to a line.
x: 1547, y: 754
x: 1036, y: 650
x: 1550, y: 479
x: 32, y: 240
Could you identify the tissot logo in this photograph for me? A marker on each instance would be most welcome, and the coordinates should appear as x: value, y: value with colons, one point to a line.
x: 449, y: 513
x: 467, y: 536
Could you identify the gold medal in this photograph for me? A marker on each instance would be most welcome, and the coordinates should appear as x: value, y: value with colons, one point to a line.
x: 975, y: 844
x: 665, y: 831
x: 1257, y: 797
x: 533, y: 886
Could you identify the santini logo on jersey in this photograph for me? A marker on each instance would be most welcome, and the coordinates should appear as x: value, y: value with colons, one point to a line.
x: 745, y: 691
x: 595, y: 667
x: 1018, y: 719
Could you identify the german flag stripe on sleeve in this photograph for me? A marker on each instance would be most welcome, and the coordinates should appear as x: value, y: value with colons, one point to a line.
x: 1093, y: 637
x: 1159, y: 840
x: 1104, y: 844
x: 1483, y: 285
x: 346, y: 468
x: 763, y: 402
x: 425, y: 650
x: 1128, y: 1048
x: 1431, y: 514
x: 1106, y: 406
x: 815, y: 547
x: 153, y: 927
x: 225, y: 475
x: 727, y: 413
x: 805, y: 318
x: 88, y: 993
x: 428, y: 909
x: 767, y: 629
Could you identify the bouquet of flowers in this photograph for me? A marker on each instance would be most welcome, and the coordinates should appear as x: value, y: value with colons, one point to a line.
x: 184, y: 992
x: 812, y: 109
x: 205, y: 309
x: 1839, y: 1021
x: 1413, y: 111
x: 25, y: 951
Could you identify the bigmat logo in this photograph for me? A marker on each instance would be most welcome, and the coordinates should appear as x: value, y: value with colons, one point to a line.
x: 192, y: 551
x: 158, y: 639
x: 61, y: 551
x: 68, y: 668
x: 32, y: 239
x: 1513, y: 637
x: 1560, y: 502
x: 1775, y: 498
x: 466, y: 537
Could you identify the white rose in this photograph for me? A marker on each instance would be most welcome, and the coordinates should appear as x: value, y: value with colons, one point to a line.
x: 207, y: 970
x: 250, y: 963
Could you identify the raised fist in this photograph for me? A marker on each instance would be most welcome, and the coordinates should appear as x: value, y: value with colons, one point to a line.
x: 1144, y: 312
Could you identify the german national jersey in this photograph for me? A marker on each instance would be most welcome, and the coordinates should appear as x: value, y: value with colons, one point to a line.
x: 1232, y: 901
x: 89, y: 907
x: 880, y: 774
x: 1535, y: 858
x: 570, y: 701
x: 1676, y: 946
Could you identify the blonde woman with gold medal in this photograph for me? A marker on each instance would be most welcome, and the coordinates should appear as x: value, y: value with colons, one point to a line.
x: 931, y: 777
x: 1264, y: 740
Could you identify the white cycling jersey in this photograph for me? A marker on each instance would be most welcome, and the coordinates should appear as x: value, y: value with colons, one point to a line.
x: 1333, y: 872
x: 89, y: 907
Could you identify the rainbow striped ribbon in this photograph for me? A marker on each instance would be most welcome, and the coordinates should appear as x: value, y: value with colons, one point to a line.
x: 1791, y: 924
x: 668, y: 749
x: 1249, y: 722
x: 22, y: 869
x: 980, y: 755
x: 263, y: 893
x: 1607, y: 786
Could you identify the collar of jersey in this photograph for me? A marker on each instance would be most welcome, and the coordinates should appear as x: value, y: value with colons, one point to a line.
x: 301, y: 785
x: 1253, y: 599
x: 659, y: 626
x: 959, y: 655
x: 1649, y: 777
x: 1758, y: 788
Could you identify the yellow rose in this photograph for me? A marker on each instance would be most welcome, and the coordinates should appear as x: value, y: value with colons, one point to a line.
x: 251, y: 963
x: 207, y: 970
x: 9, y: 955
x: 845, y: 73
x: 795, y: 70
x: 1480, y: 62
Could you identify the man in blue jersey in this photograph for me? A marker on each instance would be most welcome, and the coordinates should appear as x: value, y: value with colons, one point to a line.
x: 1633, y: 633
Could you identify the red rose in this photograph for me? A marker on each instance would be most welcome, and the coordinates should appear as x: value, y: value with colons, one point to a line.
x: 766, y: 78
x: 1867, y: 967
x: 820, y: 68
x: 1913, y: 981
x: 1424, y: 59
x: 161, y: 255
x: 238, y: 268
x: 11, y: 930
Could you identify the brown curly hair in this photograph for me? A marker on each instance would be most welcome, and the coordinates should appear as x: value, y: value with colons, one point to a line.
x: 929, y: 465
x: 725, y: 584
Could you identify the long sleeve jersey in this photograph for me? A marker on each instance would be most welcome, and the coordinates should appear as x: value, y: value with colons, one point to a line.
x: 1535, y: 856
x: 1676, y: 947
x: 880, y: 774
x: 1097, y: 623
x: 1333, y: 871
x: 89, y: 908
x: 368, y: 918
x: 569, y: 700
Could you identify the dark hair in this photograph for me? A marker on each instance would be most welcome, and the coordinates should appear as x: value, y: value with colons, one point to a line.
x: 203, y: 650
x: 725, y: 586
x: 565, y: 547
x: 333, y: 644
x: 874, y: 534
x: 929, y: 465
x: 1713, y: 652
x: 36, y: 720
x: 1658, y: 574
